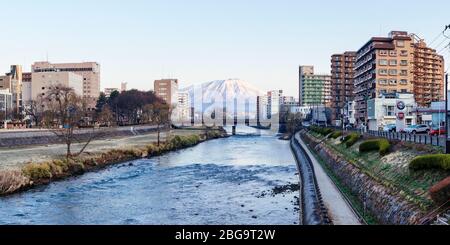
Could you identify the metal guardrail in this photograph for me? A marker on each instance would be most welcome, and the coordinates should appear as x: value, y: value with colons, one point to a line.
x: 313, y: 210
x: 424, y: 139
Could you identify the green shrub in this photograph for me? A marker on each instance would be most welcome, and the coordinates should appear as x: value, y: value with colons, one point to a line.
x: 351, y: 139
x: 322, y: 131
x: 37, y: 171
x: 440, y: 193
x: 437, y: 161
x: 336, y: 135
x: 381, y: 145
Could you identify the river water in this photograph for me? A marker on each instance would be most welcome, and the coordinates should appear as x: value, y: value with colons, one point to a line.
x: 224, y: 181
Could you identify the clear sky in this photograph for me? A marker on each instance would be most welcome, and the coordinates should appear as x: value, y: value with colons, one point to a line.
x: 260, y: 41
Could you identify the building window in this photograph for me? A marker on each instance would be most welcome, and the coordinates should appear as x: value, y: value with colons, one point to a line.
x: 393, y: 82
x: 383, y: 72
x: 383, y: 52
x: 393, y: 62
x: 403, y: 82
x: 383, y: 62
x: 393, y: 53
x: 400, y: 43
x: 43, y: 88
x: 382, y: 81
x: 393, y: 72
x: 404, y: 73
x: 404, y: 52
x: 404, y: 62
x: 390, y: 111
x: 404, y: 91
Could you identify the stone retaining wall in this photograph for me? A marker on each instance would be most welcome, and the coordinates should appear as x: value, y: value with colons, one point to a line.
x: 385, y: 203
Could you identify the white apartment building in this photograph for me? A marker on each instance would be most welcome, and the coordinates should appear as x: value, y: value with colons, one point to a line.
x: 183, y: 108
x: 384, y: 110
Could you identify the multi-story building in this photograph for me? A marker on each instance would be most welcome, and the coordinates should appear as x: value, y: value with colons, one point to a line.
x: 383, y: 65
x: 44, y: 81
x: 6, y: 105
x: 12, y: 81
x: 167, y: 90
x: 314, y: 89
x: 89, y: 71
x: 26, y: 88
x: 342, y: 74
x: 109, y: 91
x: 384, y: 110
x: 274, y: 99
x: 123, y: 87
x: 183, y: 108
x: 428, y: 73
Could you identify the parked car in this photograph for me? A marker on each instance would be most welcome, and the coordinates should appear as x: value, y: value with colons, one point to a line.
x: 390, y: 128
x: 417, y: 129
x: 438, y: 131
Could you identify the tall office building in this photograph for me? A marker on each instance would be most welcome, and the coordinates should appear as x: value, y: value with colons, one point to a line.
x: 342, y: 74
x: 314, y: 89
x: 167, y: 90
x: 42, y: 82
x: 109, y: 91
x: 26, y: 88
x: 123, y: 86
x: 89, y: 71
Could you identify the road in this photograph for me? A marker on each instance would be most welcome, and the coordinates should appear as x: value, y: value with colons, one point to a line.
x: 339, y: 209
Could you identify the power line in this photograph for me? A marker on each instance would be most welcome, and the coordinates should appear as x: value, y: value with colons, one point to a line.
x: 435, y: 39
x: 438, y: 46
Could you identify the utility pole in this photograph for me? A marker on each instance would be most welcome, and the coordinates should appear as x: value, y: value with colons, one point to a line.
x: 447, y: 142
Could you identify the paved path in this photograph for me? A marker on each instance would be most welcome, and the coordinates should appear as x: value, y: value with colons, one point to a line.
x: 16, y: 158
x: 340, y: 211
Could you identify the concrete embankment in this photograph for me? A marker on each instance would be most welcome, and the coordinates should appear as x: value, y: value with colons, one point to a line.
x: 46, y: 137
x: 385, y: 203
x: 322, y: 201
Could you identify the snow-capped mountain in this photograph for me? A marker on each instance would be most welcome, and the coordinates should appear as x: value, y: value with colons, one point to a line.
x: 218, y: 93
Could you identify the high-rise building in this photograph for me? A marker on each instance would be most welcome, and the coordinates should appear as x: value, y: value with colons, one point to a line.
x: 342, y: 74
x: 274, y: 99
x: 5, y: 105
x: 314, y: 89
x: 383, y: 65
x: 428, y: 74
x: 167, y: 90
x: 89, y: 71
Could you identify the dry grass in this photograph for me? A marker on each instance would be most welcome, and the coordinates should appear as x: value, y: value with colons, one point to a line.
x: 12, y: 181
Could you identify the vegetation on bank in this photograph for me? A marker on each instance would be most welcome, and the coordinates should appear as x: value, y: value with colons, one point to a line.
x: 42, y: 173
x: 336, y: 135
x: 321, y: 131
x: 381, y: 145
x: 438, y: 161
x: 351, y: 139
x: 392, y: 169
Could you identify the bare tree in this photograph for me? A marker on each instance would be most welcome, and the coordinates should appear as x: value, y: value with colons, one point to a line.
x: 160, y: 115
x: 64, y: 110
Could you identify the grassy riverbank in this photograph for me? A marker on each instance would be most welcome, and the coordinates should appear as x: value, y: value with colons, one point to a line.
x: 41, y: 173
x: 392, y: 169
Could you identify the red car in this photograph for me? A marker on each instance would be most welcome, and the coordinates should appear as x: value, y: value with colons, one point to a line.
x: 437, y: 131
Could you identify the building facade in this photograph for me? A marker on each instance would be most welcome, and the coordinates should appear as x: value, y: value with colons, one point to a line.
x: 342, y: 84
x: 123, y: 86
x: 167, y: 90
x: 89, y: 71
x: 6, y: 105
x: 428, y: 71
x: 183, y: 109
x: 109, y: 91
x: 12, y: 81
x: 383, y: 110
x: 383, y: 65
x: 44, y: 81
x: 314, y: 89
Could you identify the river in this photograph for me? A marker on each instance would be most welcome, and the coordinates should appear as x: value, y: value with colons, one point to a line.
x: 224, y: 181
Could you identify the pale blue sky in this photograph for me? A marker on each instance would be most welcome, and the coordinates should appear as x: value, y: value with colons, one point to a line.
x: 259, y: 41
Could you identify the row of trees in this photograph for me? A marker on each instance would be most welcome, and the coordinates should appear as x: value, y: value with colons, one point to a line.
x: 62, y: 111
